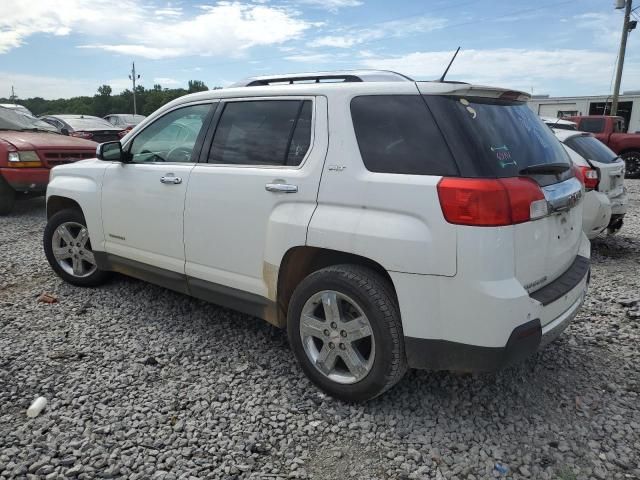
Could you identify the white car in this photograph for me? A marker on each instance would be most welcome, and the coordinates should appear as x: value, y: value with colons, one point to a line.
x: 602, y: 172
x: 386, y: 223
x: 18, y: 108
x: 559, y: 123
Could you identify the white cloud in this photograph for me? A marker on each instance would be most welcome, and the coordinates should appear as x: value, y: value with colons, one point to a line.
x: 604, y: 28
x: 21, y: 19
x: 166, y: 81
x: 348, y: 38
x: 331, y: 5
x: 311, y: 58
x: 562, y: 71
x: 149, y: 30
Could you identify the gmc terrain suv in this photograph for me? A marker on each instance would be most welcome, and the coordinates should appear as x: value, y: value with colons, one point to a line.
x: 386, y: 223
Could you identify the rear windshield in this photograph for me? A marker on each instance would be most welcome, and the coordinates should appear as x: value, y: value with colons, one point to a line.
x: 89, y: 123
x: 494, y: 138
x: 591, y: 148
x: 132, y: 119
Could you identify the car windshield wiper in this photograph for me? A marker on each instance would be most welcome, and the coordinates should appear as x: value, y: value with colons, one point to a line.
x: 545, y: 168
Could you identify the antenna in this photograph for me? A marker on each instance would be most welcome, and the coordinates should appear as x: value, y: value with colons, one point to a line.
x: 449, y: 66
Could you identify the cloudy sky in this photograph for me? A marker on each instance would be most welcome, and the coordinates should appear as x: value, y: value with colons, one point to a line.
x: 69, y: 47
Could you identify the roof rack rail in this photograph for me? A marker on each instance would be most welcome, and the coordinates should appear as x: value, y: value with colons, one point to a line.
x: 325, y: 77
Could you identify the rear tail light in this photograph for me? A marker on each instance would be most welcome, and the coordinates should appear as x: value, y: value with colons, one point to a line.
x: 491, y: 202
x: 81, y: 134
x: 588, y: 176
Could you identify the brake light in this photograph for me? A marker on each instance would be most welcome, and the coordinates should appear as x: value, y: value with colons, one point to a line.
x: 491, y: 202
x: 81, y: 134
x: 588, y: 176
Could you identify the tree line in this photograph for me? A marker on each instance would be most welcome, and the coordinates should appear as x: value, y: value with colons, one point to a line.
x: 104, y: 102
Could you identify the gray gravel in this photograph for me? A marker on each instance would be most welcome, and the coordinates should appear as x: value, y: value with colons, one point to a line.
x: 146, y: 383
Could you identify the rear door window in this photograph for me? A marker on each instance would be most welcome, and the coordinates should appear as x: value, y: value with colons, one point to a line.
x: 263, y: 132
x: 591, y: 148
x: 397, y: 134
x: 494, y: 138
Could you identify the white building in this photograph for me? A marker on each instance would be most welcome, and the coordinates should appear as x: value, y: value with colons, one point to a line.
x: 628, y: 107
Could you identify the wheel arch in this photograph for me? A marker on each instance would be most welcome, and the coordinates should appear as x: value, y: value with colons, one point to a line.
x: 299, y: 262
x: 56, y: 203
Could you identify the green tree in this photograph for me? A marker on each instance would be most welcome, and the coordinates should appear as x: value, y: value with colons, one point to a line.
x: 197, y: 86
x: 105, y: 91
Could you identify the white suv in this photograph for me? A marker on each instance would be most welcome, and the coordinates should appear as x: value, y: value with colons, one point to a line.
x: 386, y: 223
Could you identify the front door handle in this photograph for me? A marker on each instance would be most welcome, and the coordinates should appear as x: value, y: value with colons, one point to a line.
x: 281, y: 188
x: 171, y: 180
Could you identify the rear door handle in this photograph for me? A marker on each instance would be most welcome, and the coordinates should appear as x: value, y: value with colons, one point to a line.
x: 171, y: 180
x: 281, y: 188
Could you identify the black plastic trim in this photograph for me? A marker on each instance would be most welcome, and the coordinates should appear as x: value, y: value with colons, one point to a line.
x: 141, y: 271
x: 235, y: 299
x: 564, y: 283
x: 292, y: 80
x: 431, y: 354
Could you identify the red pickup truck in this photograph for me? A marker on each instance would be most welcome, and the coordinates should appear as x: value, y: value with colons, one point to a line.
x: 611, y: 131
x: 28, y: 151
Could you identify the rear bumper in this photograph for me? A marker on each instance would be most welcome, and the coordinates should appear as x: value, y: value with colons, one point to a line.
x: 560, y: 302
x: 596, y: 213
x: 619, y: 204
x: 26, y: 179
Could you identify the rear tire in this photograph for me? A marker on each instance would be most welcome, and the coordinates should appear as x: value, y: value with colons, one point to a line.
x: 345, y: 330
x: 632, y: 164
x: 67, y: 247
x: 7, y: 197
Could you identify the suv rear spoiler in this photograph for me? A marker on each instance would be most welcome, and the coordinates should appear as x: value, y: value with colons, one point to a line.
x: 467, y: 90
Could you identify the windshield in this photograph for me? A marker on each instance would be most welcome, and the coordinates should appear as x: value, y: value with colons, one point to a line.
x: 494, y: 138
x: 16, y: 120
x: 88, y: 123
x: 591, y: 148
x: 132, y: 119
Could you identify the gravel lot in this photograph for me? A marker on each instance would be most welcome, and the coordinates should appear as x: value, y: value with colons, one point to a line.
x: 146, y: 383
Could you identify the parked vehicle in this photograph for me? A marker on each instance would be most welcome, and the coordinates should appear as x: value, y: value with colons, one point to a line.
x: 610, y: 131
x: 31, y: 121
x: 602, y: 172
x: 84, y: 126
x: 28, y: 150
x: 559, y: 123
x: 125, y: 121
x: 386, y: 223
x: 17, y: 108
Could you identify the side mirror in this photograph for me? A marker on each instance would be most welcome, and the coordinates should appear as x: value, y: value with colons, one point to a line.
x: 110, y: 152
x: 64, y: 131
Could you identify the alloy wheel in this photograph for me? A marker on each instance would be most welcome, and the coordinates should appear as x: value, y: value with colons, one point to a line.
x: 337, y: 337
x: 72, y: 249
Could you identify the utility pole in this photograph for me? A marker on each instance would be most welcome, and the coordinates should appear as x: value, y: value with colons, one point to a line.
x: 133, y: 77
x: 13, y: 96
x: 626, y: 28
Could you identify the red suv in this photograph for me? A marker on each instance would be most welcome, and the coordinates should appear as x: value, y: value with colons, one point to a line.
x: 28, y: 151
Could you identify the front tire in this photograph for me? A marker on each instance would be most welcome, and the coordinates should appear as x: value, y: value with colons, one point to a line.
x: 67, y: 247
x: 632, y: 164
x: 7, y: 197
x: 345, y: 330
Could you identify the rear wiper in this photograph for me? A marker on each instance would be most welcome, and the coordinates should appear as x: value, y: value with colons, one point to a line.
x: 545, y: 168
